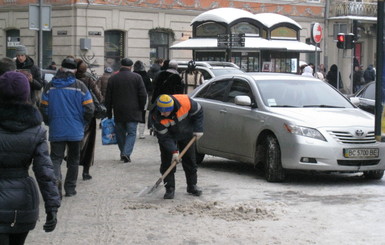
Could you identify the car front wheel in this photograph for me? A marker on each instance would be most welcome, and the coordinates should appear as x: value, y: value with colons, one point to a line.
x: 374, y: 175
x: 273, y: 165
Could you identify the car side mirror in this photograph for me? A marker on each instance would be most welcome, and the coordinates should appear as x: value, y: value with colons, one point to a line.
x: 355, y: 100
x: 242, y: 100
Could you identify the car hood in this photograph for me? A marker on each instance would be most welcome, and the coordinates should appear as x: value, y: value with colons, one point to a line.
x: 326, y: 117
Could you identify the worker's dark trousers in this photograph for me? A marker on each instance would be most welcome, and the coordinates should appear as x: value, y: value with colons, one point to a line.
x: 188, y: 163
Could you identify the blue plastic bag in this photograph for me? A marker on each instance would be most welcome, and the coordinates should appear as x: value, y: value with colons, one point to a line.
x: 108, y: 132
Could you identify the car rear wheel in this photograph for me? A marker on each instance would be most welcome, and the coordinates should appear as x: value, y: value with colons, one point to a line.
x: 374, y: 175
x: 273, y: 165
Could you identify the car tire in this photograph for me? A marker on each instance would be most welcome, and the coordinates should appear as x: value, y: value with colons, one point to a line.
x: 374, y: 175
x: 273, y: 165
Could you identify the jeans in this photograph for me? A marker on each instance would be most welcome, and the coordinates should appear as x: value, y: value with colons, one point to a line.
x: 73, y: 156
x: 126, y: 136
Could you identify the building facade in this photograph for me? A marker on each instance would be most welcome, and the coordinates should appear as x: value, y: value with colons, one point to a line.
x: 102, y: 32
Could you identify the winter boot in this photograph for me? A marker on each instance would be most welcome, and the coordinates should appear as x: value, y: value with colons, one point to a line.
x: 194, y: 190
x: 170, y: 192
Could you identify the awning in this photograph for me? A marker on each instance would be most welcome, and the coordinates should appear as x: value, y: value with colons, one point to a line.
x: 250, y: 43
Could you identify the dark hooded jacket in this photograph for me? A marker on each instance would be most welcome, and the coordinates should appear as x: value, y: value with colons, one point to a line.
x: 23, y: 141
x: 167, y: 82
x: 331, y: 77
x: 37, y: 83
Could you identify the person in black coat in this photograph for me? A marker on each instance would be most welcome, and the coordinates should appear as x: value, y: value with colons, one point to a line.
x: 125, y: 100
x: 331, y: 77
x: 26, y: 65
x: 23, y: 141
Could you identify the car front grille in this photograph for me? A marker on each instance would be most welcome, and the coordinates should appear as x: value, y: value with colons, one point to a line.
x: 358, y: 162
x: 348, y: 138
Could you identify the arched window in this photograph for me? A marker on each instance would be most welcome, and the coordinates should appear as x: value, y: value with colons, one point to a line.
x: 244, y: 27
x: 210, y: 29
x: 283, y: 33
x: 13, y: 40
x: 113, y: 48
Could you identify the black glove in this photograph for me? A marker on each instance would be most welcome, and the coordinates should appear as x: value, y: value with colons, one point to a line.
x: 50, y: 222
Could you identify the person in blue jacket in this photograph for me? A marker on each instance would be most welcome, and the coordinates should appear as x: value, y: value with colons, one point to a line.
x: 67, y: 107
x: 23, y: 143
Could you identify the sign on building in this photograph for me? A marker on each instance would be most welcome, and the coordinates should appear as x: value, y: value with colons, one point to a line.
x: 34, y: 21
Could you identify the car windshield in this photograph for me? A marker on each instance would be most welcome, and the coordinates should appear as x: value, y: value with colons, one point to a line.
x: 293, y: 93
x: 223, y: 71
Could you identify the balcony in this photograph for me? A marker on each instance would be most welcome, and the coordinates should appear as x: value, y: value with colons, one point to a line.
x: 354, y: 9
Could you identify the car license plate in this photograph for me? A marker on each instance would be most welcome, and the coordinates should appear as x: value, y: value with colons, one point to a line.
x: 361, y: 152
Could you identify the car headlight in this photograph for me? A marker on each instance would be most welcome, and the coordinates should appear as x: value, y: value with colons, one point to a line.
x: 304, y: 131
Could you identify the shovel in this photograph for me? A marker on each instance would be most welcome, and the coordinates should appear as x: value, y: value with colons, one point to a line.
x: 173, y: 164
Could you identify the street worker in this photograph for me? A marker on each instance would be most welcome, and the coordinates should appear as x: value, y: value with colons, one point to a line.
x: 23, y: 142
x: 67, y: 108
x: 177, y: 118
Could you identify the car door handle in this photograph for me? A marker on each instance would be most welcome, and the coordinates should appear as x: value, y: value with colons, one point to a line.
x: 223, y: 111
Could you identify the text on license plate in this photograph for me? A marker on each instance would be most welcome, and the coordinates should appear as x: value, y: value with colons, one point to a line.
x: 361, y: 152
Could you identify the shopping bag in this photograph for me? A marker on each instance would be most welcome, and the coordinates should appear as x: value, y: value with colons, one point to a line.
x: 108, y: 131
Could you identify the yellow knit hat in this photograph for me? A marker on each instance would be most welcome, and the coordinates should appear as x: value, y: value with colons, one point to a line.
x: 165, y: 103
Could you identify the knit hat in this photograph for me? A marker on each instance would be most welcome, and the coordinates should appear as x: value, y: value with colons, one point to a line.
x: 108, y: 70
x: 21, y: 50
x: 69, y: 63
x: 126, y: 62
x: 14, y: 86
x: 165, y: 103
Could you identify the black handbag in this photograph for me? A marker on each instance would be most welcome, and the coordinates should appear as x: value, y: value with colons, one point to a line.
x: 100, y: 108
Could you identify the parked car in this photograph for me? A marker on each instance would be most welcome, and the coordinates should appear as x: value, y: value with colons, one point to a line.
x: 287, y: 122
x: 211, y: 69
x: 365, y: 97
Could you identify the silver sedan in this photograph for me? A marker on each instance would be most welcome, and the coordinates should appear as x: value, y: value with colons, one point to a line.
x: 287, y: 122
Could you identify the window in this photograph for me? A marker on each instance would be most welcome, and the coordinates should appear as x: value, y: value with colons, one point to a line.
x: 369, y: 92
x: 238, y: 87
x: 284, y: 33
x: 339, y: 28
x: 159, y: 45
x: 13, y: 40
x: 113, y: 49
x: 244, y: 27
x: 210, y: 29
x: 47, y: 48
x: 215, y: 91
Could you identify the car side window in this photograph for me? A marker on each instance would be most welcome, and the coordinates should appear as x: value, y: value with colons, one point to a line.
x: 370, y: 92
x: 238, y: 87
x: 206, y: 75
x: 215, y: 91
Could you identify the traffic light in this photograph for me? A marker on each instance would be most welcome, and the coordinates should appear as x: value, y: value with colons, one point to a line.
x: 349, y: 41
x: 341, y: 40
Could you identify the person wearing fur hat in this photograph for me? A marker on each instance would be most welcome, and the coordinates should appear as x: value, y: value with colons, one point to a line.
x: 25, y: 64
x: 23, y: 142
x: 125, y: 100
x: 140, y: 69
x: 67, y: 108
x: 88, y: 142
x: 177, y: 118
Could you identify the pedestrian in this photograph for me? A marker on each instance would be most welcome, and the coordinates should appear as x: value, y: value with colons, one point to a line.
x: 358, y: 79
x: 177, y: 118
x: 7, y: 64
x: 307, y: 71
x: 23, y: 142
x: 332, y: 77
x: 67, y: 107
x: 103, y: 80
x: 155, y: 68
x: 52, y: 66
x: 87, y: 150
x: 192, y: 77
x: 369, y: 74
x: 25, y: 64
x: 140, y: 69
x: 125, y: 100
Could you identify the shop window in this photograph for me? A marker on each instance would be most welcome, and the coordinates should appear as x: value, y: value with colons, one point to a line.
x: 284, y: 33
x: 159, y: 44
x: 113, y: 48
x: 210, y: 29
x: 13, y: 40
x: 244, y: 27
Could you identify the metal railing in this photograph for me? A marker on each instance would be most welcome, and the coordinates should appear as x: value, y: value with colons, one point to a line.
x: 355, y: 9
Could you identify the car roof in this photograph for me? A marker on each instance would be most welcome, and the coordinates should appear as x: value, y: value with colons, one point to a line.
x: 210, y: 64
